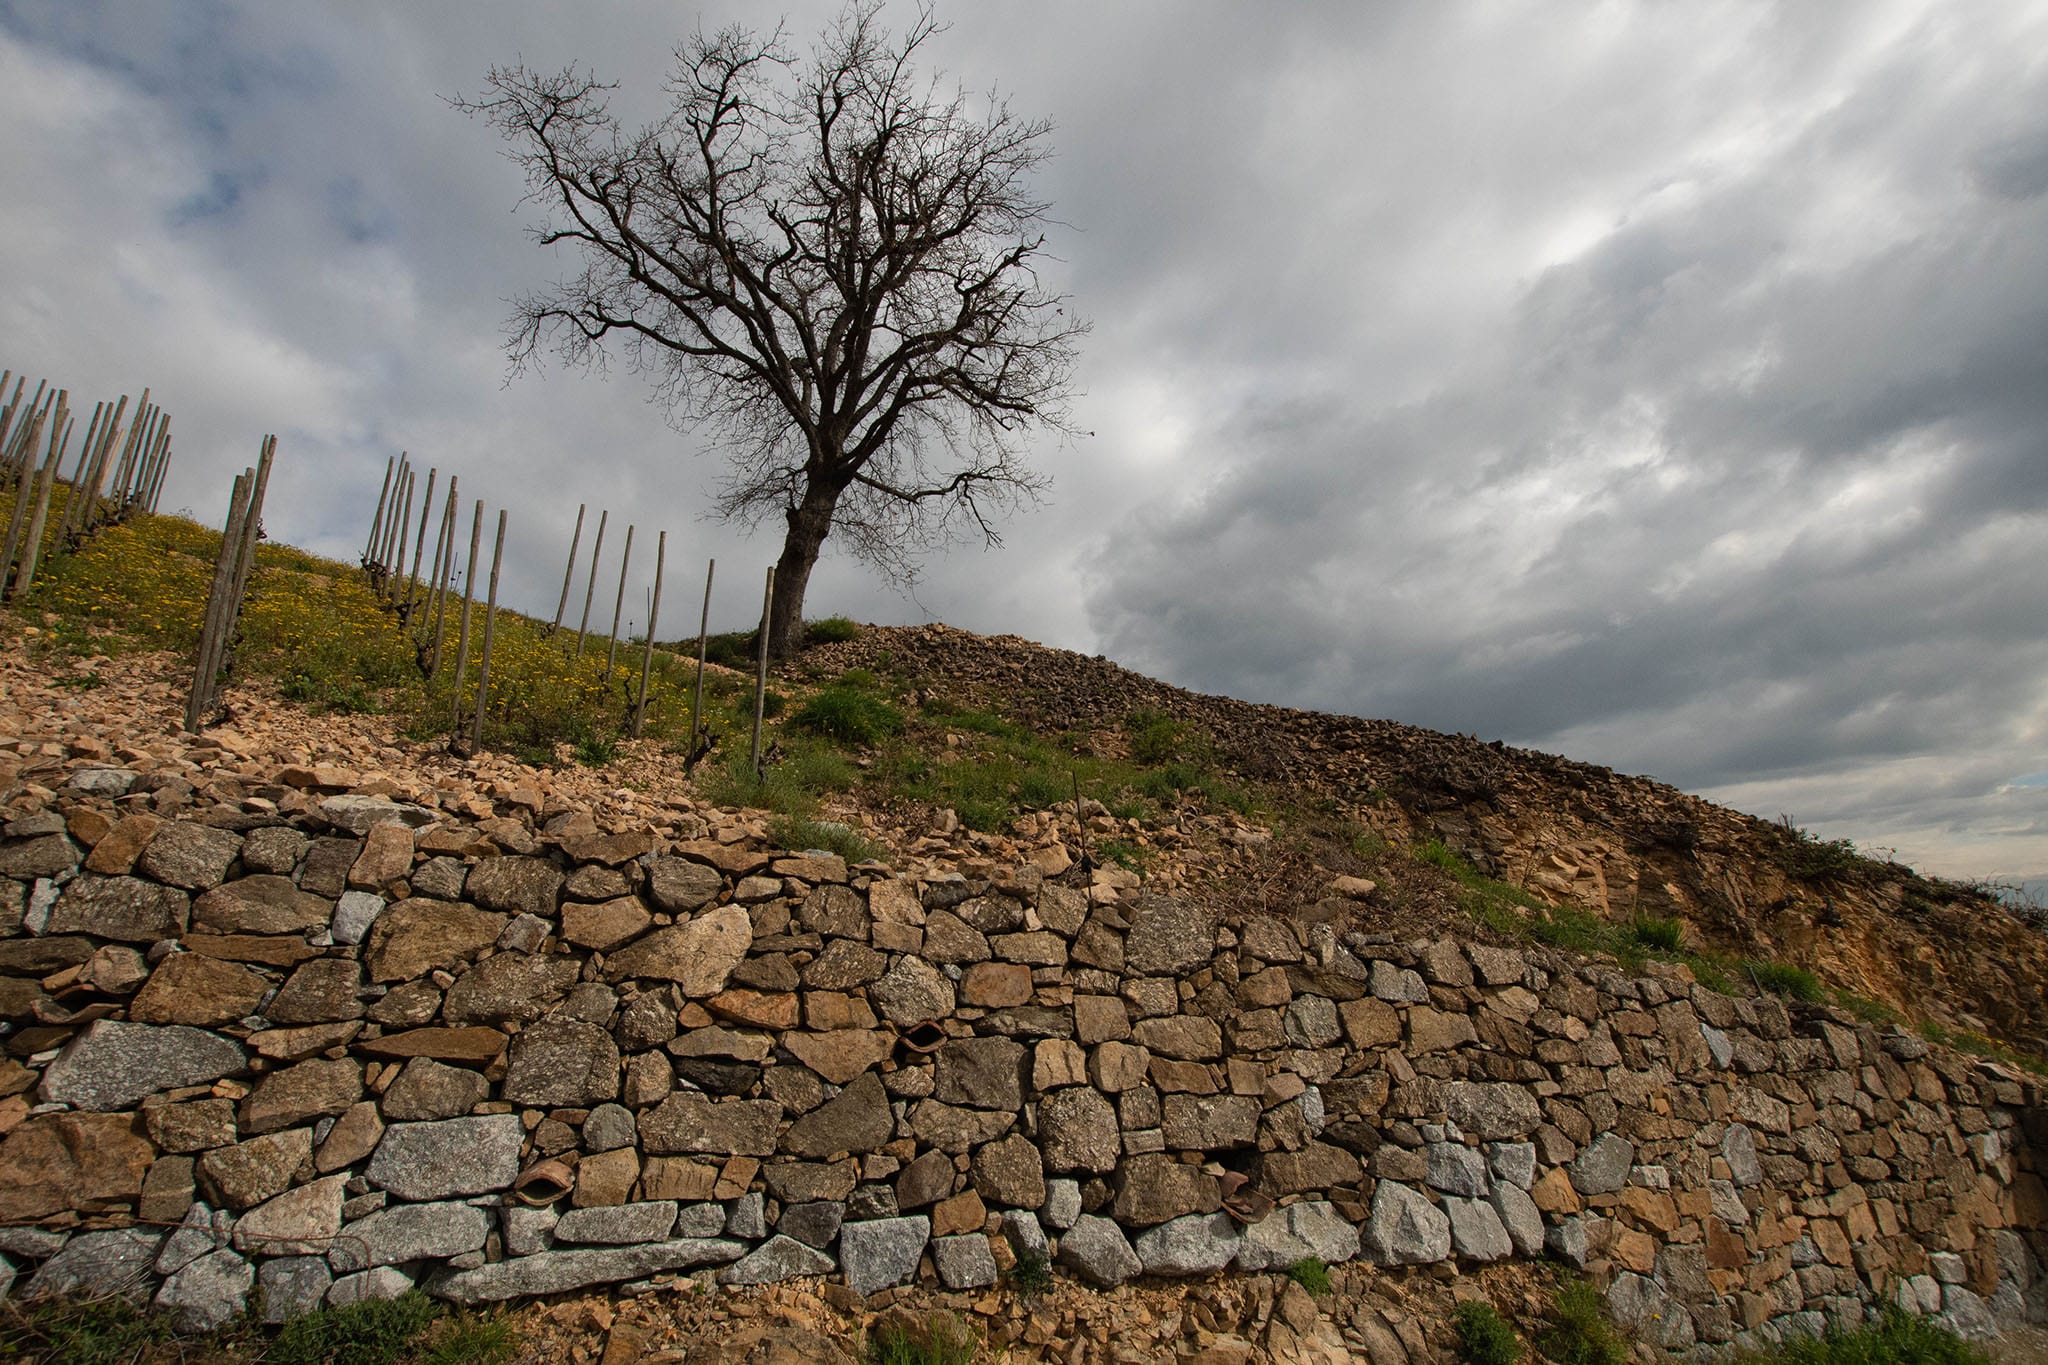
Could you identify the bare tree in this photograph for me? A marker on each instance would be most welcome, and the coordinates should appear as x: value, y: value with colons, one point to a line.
x: 828, y: 265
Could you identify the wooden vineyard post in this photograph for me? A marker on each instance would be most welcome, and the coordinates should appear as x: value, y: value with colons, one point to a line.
x: 483, y: 667
x: 74, y: 500
x: 434, y: 566
x: 201, y: 700
x: 653, y: 615
x: 703, y: 638
x: 32, y: 426
x: 377, y: 521
x: 761, y: 672
x: 590, y: 588
x: 476, y: 535
x: 619, y: 606
x: 569, y: 570
x: 245, y: 565
x: 96, y: 471
x: 412, y: 585
x: 384, y: 542
x: 397, y: 559
x: 444, y: 569
x: 32, y: 542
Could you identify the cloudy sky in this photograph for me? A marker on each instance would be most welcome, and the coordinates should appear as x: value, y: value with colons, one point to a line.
x: 1662, y: 385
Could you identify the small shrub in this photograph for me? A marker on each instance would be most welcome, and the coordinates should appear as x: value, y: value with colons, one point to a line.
x: 829, y: 835
x: 831, y: 630
x: 1579, y: 1332
x: 733, y: 650
x: 1658, y: 934
x: 850, y: 715
x: 1032, y: 1275
x: 1809, y: 857
x: 1896, y: 1338
x: 944, y: 1340
x: 1156, y: 737
x: 1311, y: 1274
x: 1781, y: 978
x: 88, y: 1331
x: 467, y: 1340
x: 372, y: 1332
x: 1484, y: 1336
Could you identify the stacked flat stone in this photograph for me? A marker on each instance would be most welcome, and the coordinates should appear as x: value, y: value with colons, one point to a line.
x: 310, y: 1043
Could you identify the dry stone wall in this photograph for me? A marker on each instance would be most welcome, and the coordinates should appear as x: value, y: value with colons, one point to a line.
x: 327, y: 1045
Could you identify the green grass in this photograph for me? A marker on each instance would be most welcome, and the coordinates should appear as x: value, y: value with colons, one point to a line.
x: 1578, y: 1332
x: 1658, y: 934
x: 87, y: 1332
x: 831, y: 630
x: 1484, y: 1336
x: 1311, y: 1274
x: 1896, y: 1338
x: 1031, y: 1276
x: 788, y: 832
x: 1977, y: 1045
x: 944, y: 1340
x: 850, y: 714
x: 1780, y: 978
x: 1807, y: 856
x: 371, y: 1332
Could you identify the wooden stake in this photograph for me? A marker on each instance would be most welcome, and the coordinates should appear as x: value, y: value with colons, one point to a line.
x: 569, y: 571
x: 31, y: 426
x: 201, y: 700
x: 590, y: 590
x: 419, y: 546
x: 619, y: 606
x: 761, y: 672
x: 32, y: 540
x: 703, y: 638
x: 377, y: 521
x: 398, y: 542
x: 98, y: 472
x: 476, y: 535
x: 391, y: 522
x: 483, y: 668
x: 443, y: 571
x: 653, y: 615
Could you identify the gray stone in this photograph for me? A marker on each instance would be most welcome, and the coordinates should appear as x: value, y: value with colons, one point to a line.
x: 704, y: 1219
x: 558, y: 1272
x: 697, y: 956
x: 983, y: 1073
x: 358, y: 814
x: 189, y: 856
x: 1097, y: 1250
x: 1513, y: 1163
x: 882, y: 1251
x: 1738, y: 1148
x: 1476, y: 1230
x: 609, y: 1127
x: 1718, y: 1046
x: 1491, y: 1109
x: 524, y: 934
x: 749, y: 1217
x: 261, y: 905
x: 1405, y: 1228
x: 561, y: 1062
x: 127, y: 909
x: 1210, y: 1122
x: 1311, y: 1021
x: 1077, y: 1131
x: 1198, y: 1244
x: 779, y: 1258
x: 1520, y: 1216
x: 442, y: 878
x: 815, y: 1223
x: 911, y: 992
x: 510, y: 986
x: 692, y: 1123
x: 427, y: 1161
x: 354, y: 913
x: 299, y: 1222
x: 100, y: 1265
x: 857, y: 1120
x: 1062, y: 1204
x: 1643, y: 1306
x: 209, y: 1293
x: 1398, y: 985
x: 1966, y: 1314
x: 1570, y: 1241
x: 527, y: 1230
x: 102, y: 781
x: 291, y: 1287
x: 47, y: 855
x: 1311, y: 1228
x: 253, y: 1172
x: 956, y: 1130
x: 113, y: 1065
x: 323, y: 991
x: 202, y: 1230
x: 1455, y: 1168
x: 410, y: 1232
x: 428, y: 1090
x: 1168, y: 937
x: 1024, y: 1233
x: 1603, y: 1167
x: 618, y: 1224
x: 380, y: 1282
x: 35, y: 1244
x: 679, y: 886
x: 964, y: 1262
x: 515, y: 885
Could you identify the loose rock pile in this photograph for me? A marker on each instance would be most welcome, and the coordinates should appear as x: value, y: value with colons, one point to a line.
x: 312, y: 1039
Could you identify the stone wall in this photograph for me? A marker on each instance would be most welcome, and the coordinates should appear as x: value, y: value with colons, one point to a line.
x: 328, y: 1044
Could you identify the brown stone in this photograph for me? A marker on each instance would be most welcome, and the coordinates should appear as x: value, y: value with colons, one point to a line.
x: 1100, y: 1019
x: 1433, y: 1030
x: 1117, y: 1067
x: 1554, y: 1194
x: 1010, y: 1172
x: 687, y: 1123
x: 606, y: 1178
x: 250, y: 1172
x: 323, y: 991
x: 1633, y: 1250
x: 510, y: 986
x: 301, y: 1093
x: 297, y: 1044
x: 472, y: 1045
x: 1183, y: 1078
x: 996, y: 985
x: 1370, y: 1023
x: 857, y: 1120
x: 267, y: 952
x: 116, y: 852
x: 1155, y: 1189
x: 697, y: 956
x: 610, y: 849
x: 353, y: 1137
x: 1186, y: 1036
x: 386, y: 857
x: 1265, y: 989
x: 168, y: 1190
x: 841, y: 1054
x: 675, y: 1177
x: 187, y: 1128
x: 607, y: 926
x: 1057, y: 1062
x: 189, y: 989
x: 55, y: 1162
x: 414, y: 937
x: 964, y: 1212
x: 262, y: 904
x: 125, y: 908
x: 730, y: 859
x: 759, y: 1009
x: 1207, y: 1122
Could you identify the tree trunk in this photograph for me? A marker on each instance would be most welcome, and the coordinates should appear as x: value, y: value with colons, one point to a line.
x: 809, y: 521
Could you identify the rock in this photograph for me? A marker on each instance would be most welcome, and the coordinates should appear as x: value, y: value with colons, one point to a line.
x: 1397, y: 985
x: 428, y: 1090
x: 857, y: 1120
x: 697, y: 956
x: 169, y: 1189
x: 983, y: 1073
x: 1198, y: 1244
x: 1405, y: 1228
x: 1187, y: 1037
x: 1021, y: 1229
x: 1009, y: 1172
x: 298, y: 1222
x: 510, y: 986
x: 1520, y: 1217
x: 1310, y: 1228
x: 383, y: 1282
x: 1211, y: 1122
x: 1476, y: 1230
x: 291, y: 1286
x: 1168, y: 937
x: 259, y: 1169
x: 679, y: 886
x: 360, y: 814
x: 515, y: 885
x: 1455, y: 1168
x: 926, y: 1180
x: 1603, y: 1167
x: 607, y: 926
x: 189, y: 989
x: 1077, y: 1131
x: 562, y: 1062
x: 797, y: 1182
x: 298, y: 1093
x: 1155, y: 1188
x: 112, y: 1264
x: 815, y: 1224
x: 606, y: 1179
x: 478, y: 1045
x: 559, y: 1272
x: 618, y: 1225
x: 844, y: 965
x: 1513, y: 1162
x: 54, y: 1162
x: 113, y: 1065
x: 354, y: 913
x: 1738, y: 1149
x: 841, y: 1054
x: 193, y: 1127
x: 1096, y: 1250
x: 126, y: 909
x: 779, y: 1258
x: 189, y: 856
x: 1311, y: 1021
x: 685, y: 1123
x: 322, y: 991
x: 263, y: 904
x: 455, y: 1157
x: 911, y: 991
x: 414, y: 937
x: 609, y: 1126
x: 882, y: 1252
x: 964, y: 1262
x: 46, y: 855
x: 1491, y: 1110
x: 1432, y: 1030
x: 996, y: 985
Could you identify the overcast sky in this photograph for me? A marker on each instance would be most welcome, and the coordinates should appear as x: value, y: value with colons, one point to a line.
x: 1661, y: 385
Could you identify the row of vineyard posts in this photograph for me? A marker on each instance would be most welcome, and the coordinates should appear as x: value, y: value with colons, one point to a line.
x: 423, y: 605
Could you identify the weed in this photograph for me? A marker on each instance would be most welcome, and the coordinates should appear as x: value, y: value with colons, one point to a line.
x: 849, y: 714
x: 1809, y: 857
x: 1369, y: 845
x: 370, y: 1332
x: 831, y: 630
x: 1484, y: 1336
x: 1579, y: 1332
x: 1653, y: 931
x: 82, y: 682
x: 1311, y: 1274
x: 88, y: 1331
x: 467, y: 1340
x: 1977, y: 1045
x: 1896, y: 1338
x: 1781, y: 978
x: 1123, y: 853
x: 1032, y: 1275
x: 944, y: 1340
x: 825, y: 834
